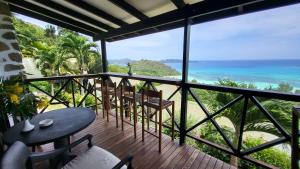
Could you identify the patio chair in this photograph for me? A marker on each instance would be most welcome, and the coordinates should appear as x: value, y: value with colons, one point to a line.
x: 110, y: 99
x: 19, y: 157
x: 129, y: 96
x: 153, y: 99
x: 97, y: 87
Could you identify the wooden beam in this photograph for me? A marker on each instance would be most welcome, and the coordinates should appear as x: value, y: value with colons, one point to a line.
x: 49, y: 14
x: 74, y: 14
x: 50, y: 20
x: 98, y: 12
x: 179, y: 3
x: 200, y: 12
x: 130, y: 9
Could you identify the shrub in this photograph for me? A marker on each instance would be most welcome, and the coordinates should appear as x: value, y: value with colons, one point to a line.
x: 271, y: 156
x: 44, y: 85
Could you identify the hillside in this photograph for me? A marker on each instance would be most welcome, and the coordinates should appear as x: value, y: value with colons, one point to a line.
x: 146, y: 67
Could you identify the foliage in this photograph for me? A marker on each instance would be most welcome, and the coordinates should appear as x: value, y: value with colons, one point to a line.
x: 282, y: 87
x: 44, y: 85
x: 146, y: 67
x: 208, y: 132
x: 117, y: 68
x: 57, y: 51
x: 79, y: 48
x: 18, y: 101
x: 152, y: 68
x: 89, y: 100
x: 281, y: 159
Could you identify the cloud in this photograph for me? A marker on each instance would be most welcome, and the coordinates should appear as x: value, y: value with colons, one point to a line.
x: 271, y: 34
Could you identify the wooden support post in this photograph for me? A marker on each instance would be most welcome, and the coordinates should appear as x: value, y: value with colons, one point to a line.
x: 295, y: 138
x: 184, y: 90
x: 104, y: 56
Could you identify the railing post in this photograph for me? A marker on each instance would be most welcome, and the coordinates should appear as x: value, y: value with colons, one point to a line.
x: 295, y: 138
x: 104, y: 56
x: 184, y: 89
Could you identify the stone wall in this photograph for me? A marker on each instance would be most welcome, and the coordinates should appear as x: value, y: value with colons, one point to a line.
x: 10, y: 56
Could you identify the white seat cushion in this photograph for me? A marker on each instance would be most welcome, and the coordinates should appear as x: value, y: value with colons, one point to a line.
x: 94, y: 158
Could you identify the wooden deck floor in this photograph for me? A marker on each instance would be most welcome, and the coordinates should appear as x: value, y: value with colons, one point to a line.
x: 146, y: 154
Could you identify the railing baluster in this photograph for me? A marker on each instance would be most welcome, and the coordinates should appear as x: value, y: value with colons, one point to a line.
x: 244, y: 115
x: 73, y: 94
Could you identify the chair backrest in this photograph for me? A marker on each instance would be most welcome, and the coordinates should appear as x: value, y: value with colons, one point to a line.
x: 127, y: 89
x: 147, y: 94
x: 15, y: 157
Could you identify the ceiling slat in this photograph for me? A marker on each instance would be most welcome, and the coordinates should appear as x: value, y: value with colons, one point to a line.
x: 27, y: 12
x: 74, y: 14
x: 97, y: 12
x: 178, y: 3
x: 43, y: 11
x: 201, y: 12
x: 130, y: 9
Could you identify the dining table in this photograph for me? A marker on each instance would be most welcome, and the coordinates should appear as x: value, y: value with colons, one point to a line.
x: 66, y: 122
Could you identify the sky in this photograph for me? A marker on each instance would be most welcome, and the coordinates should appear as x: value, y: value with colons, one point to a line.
x: 271, y: 34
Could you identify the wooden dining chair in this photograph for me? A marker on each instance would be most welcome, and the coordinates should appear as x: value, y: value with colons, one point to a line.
x: 97, y: 87
x: 129, y: 97
x: 153, y: 99
x: 109, y: 99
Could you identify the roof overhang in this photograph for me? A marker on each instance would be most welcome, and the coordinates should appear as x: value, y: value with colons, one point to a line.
x: 113, y: 20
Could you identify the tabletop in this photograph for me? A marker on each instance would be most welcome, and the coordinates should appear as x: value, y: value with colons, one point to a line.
x: 66, y: 122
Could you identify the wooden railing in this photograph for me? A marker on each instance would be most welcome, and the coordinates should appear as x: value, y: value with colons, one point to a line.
x: 245, y: 96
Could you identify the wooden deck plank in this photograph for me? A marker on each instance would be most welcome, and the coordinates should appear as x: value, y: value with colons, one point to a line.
x: 219, y: 164
x: 191, y: 159
x: 146, y: 156
x: 204, y: 161
x: 198, y: 160
x: 211, y: 163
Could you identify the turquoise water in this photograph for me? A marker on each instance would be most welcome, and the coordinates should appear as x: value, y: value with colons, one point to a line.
x: 262, y: 73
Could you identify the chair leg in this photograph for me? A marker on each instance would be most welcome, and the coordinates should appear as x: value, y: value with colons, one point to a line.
x: 116, y: 104
x: 173, y: 119
x: 129, y: 110
x: 148, y: 118
x: 159, y: 130
x: 96, y: 101
x: 143, y: 121
x: 134, y: 118
x: 122, y: 113
x: 155, y: 120
x: 103, y: 105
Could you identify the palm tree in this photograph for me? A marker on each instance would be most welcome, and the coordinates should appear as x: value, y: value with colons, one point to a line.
x: 51, y: 61
x: 255, y: 120
x: 81, y: 49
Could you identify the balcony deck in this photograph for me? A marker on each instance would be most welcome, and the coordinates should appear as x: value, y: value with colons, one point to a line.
x: 146, y: 154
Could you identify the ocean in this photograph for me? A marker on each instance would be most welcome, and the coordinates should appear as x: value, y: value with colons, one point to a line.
x: 261, y: 73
